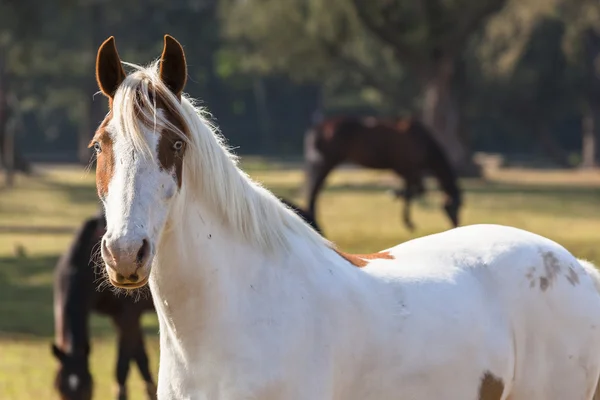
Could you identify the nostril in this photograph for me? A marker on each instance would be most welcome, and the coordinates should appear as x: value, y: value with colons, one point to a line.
x: 105, y: 248
x: 134, y: 277
x: 143, y: 252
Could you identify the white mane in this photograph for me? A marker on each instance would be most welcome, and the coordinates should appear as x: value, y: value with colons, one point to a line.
x: 210, y: 170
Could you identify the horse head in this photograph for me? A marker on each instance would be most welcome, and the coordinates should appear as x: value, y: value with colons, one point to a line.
x: 73, y: 380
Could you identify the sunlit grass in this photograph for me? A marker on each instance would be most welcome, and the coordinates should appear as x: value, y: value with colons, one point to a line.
x: 355, y: 211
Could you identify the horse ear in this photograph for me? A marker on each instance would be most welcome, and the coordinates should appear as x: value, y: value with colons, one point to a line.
x: 58, y: 353
x: 173, y: 69
x: 109, y: 71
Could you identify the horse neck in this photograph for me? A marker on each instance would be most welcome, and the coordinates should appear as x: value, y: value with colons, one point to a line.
x: 75, y: 319
x: 77, y: 291
x: 202, y: 268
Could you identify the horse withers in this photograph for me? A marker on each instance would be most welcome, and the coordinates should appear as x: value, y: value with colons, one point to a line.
x: 306, y: 215
x: 404, y: 146
x: 76, y: 295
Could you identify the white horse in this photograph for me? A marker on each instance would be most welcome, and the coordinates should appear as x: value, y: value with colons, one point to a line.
x: 254, y: 304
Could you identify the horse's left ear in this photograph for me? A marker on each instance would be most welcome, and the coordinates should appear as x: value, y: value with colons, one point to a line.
x: 173, y: 69
x: 109, y: 71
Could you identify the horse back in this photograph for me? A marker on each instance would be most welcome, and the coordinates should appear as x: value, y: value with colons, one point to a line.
x: 489, y: 301
x: 372, y: 142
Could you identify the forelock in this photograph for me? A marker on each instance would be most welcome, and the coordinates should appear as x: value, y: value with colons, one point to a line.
x: 138, y: 103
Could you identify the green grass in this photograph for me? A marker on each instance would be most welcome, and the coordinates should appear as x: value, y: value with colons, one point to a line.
x: 355, y: 211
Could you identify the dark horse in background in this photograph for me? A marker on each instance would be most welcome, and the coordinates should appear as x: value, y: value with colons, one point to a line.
x: 404, y: 146
x: 76, y: 294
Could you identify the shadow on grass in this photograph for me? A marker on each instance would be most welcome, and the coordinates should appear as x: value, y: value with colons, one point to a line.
x: 524, y: 188
x: 26, y: 297
x: 76, y: 193
x: 540, y: 199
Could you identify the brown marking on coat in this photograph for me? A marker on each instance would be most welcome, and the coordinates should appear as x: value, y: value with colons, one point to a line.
x: 109, y: 75
x: 491, y: 387
x: 361, y: 260
x: 105, y: 161
x: 572, y: 277
x: 551, y: 264
x: 530, y: 275
x: 173, y: 72
x: 551, y: 269
x: 169, y: 159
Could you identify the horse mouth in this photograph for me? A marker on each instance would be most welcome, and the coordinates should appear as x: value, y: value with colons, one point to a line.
x: 128, y: 285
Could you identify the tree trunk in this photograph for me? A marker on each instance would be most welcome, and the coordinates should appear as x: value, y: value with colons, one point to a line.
x: 548, y: 142
x: 441, y: 113
x: 6, y: 134
x: 591, y: 117
x: 588, y: 140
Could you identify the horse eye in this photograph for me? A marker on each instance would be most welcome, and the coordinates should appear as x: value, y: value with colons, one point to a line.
x: 178, y: 145
x: 97, y: 147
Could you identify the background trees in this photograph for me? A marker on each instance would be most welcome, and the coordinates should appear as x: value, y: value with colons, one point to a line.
x: 517, y: 77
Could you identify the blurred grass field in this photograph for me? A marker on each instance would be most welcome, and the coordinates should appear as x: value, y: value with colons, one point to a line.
x: 355, y: 211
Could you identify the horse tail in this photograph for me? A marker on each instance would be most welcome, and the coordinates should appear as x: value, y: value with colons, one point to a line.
x: 440, y: 166
x: 593, y: 272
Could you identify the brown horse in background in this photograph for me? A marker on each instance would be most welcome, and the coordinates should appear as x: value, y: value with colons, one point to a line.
x: 403, y: 145
x: 76, y: 296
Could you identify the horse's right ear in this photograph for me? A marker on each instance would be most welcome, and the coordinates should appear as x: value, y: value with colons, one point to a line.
x: 58, y: 353
x: 109, y: 71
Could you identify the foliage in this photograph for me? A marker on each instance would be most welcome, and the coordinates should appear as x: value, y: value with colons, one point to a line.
x: 523, y: 66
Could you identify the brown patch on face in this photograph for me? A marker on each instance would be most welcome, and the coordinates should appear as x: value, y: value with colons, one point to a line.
x: 105, y: 162
x: 491, y: 387
x: 171, y: 159
x: 361, y: 260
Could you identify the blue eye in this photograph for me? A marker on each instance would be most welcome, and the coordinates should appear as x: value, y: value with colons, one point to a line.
x: 97, y: 147
x: 178, y: 145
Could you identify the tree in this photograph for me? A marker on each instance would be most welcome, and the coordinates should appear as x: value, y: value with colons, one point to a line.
x: 372, y: 42
x: 582, y: 45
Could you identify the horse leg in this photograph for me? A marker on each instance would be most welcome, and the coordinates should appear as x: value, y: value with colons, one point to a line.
x: 141, y: 358
x: 316, y: 173
x: 406, y: 217
x: 417, y: 190
x: 126, y: 327
x: 413, y: 187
